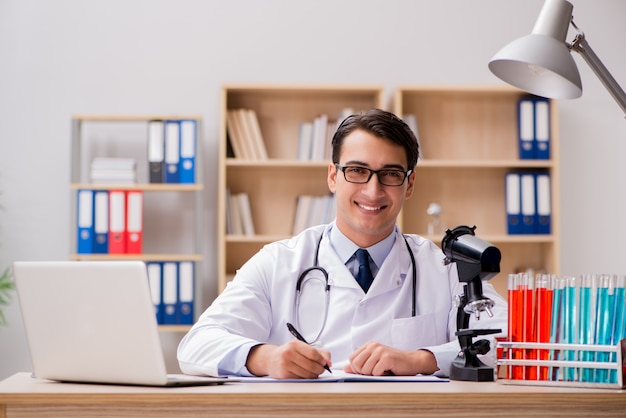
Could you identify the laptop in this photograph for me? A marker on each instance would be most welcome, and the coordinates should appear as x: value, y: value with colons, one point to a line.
x: 94, y: 322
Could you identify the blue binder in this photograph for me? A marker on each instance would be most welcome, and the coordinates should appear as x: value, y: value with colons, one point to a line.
x: 544, y: 207
x: 526, y: 127
x: 156, y: 285
x: 172, y: 151
x: 542, y: 129
x: 528, y: 202
x: 85, y: 238
x: 101, y: 222
x: 187, y: 163
x: 170, y: 292
x: 185, y: 292
x: 513, y: 203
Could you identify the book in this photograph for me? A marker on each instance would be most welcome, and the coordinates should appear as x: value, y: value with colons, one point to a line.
x: 305, y: 141
x: 256, y: 135
x: 339, y: 375
x: 235, y: 135
x: 246, y: 214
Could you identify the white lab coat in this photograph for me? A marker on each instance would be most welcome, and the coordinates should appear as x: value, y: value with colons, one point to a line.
x: 255, y: 307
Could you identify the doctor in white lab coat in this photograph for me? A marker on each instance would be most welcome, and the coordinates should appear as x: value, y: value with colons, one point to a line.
x: 373, y: 331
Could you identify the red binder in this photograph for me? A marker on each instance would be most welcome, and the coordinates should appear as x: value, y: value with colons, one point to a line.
x: 117, y: 222
x: 134, y: 221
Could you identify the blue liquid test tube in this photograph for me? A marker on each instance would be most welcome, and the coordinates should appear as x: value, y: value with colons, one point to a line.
x: 556, y: 326
x: 604, y: 323
x: 570, y: 325
x: 587, y: 323
x: 618, y: 320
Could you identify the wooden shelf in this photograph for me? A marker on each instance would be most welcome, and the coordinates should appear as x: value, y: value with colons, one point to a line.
x: 171, y: 212
x: 468, y: 136
x: 274, y: 184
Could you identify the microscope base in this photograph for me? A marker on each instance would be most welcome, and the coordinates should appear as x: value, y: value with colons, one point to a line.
x: 460, y: 371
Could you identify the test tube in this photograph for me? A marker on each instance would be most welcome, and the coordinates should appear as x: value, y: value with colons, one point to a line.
x: 515, y: 323
x: 543, y: 317
x: 618, y: 319
x: 527, y: 287
x: 587, y: 322
x: 570, y: 324
x: 556, y: 327
x: 604, y: 322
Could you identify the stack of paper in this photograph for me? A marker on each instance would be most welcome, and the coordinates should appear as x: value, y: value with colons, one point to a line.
x: 113, y: 170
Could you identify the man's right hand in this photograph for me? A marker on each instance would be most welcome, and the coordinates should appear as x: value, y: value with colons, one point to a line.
x: 293, y: 360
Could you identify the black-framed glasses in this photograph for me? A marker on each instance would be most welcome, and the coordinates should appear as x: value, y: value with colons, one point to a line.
x: 361, y: 175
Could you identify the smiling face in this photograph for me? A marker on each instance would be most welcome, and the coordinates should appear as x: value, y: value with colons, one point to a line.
x: 366, y: 213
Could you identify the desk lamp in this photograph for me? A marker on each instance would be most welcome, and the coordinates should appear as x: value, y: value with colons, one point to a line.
x: 541, y: 64
x: 476, y: 261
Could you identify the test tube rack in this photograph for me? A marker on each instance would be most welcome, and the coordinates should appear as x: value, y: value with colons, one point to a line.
x: 571, y: 372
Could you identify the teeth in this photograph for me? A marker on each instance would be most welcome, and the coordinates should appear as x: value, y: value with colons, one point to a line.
x: 370, y: 207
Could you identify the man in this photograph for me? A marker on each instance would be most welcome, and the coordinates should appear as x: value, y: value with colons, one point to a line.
x: 364, y: 328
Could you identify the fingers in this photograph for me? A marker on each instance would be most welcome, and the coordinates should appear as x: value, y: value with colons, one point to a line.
x: 374, y: 359
x: 299, y: 360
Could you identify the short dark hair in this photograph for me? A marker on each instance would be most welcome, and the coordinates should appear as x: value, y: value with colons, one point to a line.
x: 381, y: 124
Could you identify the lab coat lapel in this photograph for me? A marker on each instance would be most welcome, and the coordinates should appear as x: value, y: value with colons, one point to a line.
x: 392, y: 274
x: 338, y: 273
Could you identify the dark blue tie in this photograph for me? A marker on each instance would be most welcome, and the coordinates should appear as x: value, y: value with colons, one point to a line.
x: 364, y: 276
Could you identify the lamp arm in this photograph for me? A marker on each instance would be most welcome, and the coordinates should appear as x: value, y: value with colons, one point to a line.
x: 581, y: 46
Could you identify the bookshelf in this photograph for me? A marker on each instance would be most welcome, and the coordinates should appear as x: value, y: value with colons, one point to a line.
x: 273, y: 184
x: 171, y: 212
x: 468, y: 137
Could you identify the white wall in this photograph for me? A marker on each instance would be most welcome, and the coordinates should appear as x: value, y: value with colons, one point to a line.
x: 59, y: 57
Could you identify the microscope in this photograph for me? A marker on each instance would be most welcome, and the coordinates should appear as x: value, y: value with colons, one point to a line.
x: 476, y: 261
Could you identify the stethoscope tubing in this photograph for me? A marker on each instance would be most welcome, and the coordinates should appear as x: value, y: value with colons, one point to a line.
x: 321, y: 269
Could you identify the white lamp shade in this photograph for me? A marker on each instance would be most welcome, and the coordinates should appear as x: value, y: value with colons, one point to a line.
x: 539, y: 64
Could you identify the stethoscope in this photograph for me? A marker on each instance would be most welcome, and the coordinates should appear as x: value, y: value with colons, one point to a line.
x: 316, y: 267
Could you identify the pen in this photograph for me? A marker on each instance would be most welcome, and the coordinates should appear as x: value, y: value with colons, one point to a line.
x: 299, y: 336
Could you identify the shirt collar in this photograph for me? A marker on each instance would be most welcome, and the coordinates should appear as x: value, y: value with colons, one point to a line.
x: 346, y: 248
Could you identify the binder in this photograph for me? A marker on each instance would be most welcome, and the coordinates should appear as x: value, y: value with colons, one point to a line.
x: 85, y: 227
x: 101, y: 222
x: 542, y: 129
x: 134, y: 221
x: 544, y: 206
x: 170, y: 282
x: 187, y: 164
x: 513, y: 203
x: 172, y: 151
x: 526, y: 128
x: 185, y: 292
x: 117, y: 222
x: 155, y: 282
x: 528, y: 206
x: 156, y: 150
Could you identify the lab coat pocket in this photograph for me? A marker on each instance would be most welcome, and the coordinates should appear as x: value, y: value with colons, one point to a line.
x: 420, y: 331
